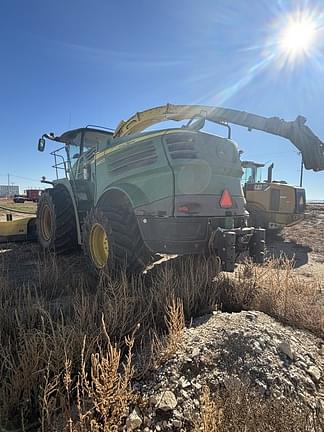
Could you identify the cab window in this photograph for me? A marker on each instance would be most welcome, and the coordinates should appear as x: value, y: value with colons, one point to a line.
x: 95, y: 139
x: 74, y: 143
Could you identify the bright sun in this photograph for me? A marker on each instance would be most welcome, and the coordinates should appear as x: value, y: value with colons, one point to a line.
x: 298, y: 37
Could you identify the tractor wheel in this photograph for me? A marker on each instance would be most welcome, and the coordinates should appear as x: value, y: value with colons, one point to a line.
x: 56, y: 224
x: 112, y: 241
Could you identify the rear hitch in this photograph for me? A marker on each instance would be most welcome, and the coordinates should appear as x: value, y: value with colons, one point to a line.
x: 257, y: 245
x: 228, y: 244
x: 228, y: 251
x: 223, y: 242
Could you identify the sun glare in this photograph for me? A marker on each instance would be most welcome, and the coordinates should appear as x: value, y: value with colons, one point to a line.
x: 298, y: 37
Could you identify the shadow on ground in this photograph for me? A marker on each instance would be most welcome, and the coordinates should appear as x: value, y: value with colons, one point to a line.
x: 278, y: 247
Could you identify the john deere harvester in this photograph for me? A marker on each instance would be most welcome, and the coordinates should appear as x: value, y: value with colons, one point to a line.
x: 128, y: 195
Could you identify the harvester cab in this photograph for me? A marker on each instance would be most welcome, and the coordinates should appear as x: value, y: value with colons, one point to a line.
x: 80, y: 146
x: 272, y: 204
x: 73, y: 189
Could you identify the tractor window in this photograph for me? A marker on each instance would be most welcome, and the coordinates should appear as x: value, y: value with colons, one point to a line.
x: 259, y: 175
x: 95, y: 139
x: 248, y: 175
x: 74, y: 146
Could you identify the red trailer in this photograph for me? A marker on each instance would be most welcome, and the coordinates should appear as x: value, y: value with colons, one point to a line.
x: 30, y: 195
x: 33, y: 194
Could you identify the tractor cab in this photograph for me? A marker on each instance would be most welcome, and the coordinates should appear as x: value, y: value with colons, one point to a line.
x: 253, y: 173
x: 75, y: 156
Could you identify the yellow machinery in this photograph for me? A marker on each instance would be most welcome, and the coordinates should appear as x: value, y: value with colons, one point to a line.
x: 271, y: 204
x: 22, y: 229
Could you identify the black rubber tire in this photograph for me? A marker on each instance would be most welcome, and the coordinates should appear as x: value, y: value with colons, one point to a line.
x: 127, y: 250
x: 63, y: 237
x: 128, y: 242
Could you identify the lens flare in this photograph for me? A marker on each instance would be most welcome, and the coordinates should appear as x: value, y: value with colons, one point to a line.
x: 298, y: 38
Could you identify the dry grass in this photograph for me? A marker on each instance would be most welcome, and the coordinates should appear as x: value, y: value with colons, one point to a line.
x: 65, y: 353
x: 277, y: 291
x: 43, y: 325
x: 210, y: 414
x: 238, y: 408
x: 27, y: 206
x: 163, y: 348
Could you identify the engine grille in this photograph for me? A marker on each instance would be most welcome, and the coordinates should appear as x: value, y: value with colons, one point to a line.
x: 136, y: 156
x: 182, y: 147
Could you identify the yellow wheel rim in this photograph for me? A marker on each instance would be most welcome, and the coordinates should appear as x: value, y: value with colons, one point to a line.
x: 46, y: 223
x: 99, y: 245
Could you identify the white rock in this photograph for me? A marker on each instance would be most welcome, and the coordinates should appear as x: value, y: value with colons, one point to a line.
x: 184, y: 394
x: 252, y: 316
x: 285, y: 348
x: 184, y: 383
x: 197, y: 386
x: 261, y: 386
x: 134, y: 420
x: 302, y: 364
x: 320, y: 405
x: 147, y: 421
x: 195, y: 352
x: 314, y: 372
x: 196, y: 403
x: 166, y: 401
x: 153, y: 400
x: 177, y: 423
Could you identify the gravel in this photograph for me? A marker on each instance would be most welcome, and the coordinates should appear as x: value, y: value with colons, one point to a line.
x: 250, y: 347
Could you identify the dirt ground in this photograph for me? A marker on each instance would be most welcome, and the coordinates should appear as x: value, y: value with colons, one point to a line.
x: 303, y: 243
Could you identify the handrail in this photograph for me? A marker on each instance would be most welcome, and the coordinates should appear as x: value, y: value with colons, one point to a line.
x: 58, y: 165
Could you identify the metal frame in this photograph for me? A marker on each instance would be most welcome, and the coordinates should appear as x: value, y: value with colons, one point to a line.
x: 58, y: 165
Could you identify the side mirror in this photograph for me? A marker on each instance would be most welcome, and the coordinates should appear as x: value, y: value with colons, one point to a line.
x: 41, y: 144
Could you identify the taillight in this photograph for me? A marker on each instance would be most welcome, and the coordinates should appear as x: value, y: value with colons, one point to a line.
x: 184, y: 209
x: 226, y: 200
x: 189, y: 208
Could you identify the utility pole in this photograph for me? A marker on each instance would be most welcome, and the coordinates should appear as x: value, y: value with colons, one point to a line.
x: 301, y: 172
x: 8, y: 193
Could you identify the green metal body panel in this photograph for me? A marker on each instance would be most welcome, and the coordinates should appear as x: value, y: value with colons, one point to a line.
x: 174, y: 174
x: 207, y: 170
x: 143, y: 183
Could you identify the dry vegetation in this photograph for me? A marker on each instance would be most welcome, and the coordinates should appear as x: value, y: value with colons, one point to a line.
x: 311, y: 231
x: 27, y: 206
x: 277, y: 291
x: 236, y: 410
x: 70, y: 346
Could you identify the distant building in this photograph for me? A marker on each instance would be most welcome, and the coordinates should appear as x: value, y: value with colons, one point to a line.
x: 8, y: 191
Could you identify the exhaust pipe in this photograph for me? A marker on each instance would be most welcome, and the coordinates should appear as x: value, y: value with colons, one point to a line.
x: 270, y: 169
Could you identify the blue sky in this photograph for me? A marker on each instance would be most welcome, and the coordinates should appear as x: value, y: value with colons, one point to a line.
x: 70, y: 63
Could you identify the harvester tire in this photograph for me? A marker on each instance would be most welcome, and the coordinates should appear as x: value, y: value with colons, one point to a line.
x: 56, y: 224
x: 112, y: 241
